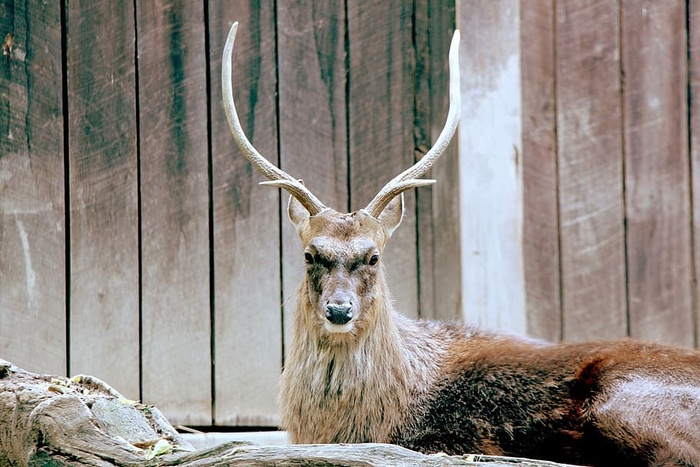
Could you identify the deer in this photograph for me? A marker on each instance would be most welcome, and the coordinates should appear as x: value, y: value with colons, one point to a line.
x: 358, y: 371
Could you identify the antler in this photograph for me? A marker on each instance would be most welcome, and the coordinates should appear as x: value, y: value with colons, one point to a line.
x: 278, y: 178
x: 409, y: 178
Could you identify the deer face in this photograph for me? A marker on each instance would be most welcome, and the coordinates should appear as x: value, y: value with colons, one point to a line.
x: 342, y: 253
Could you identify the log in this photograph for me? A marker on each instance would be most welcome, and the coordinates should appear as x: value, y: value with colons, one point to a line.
x: 350, y: 455
x: 77, y: 421
x: 58, y: 421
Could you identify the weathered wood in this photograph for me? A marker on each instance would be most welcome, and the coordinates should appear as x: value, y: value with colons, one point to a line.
x: 422, y: 140
x: 657, y: 183
x: 46, y: 420
x: 380, y: 113
x: 104, y: 256
x: 312, y: 120
x: 694, y: 127
x: 438, y: 210
x: 247, y: 321
x: 174, y: 209
x: 32, y: 197
x: 541, y: 256
x: 490, y: 142
x: 355, y: 455
x: 101, y: 117
x: 49, y: 420
x: 589, y: 146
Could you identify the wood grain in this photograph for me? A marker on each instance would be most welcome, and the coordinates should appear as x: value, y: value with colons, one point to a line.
x: 541, y: 255
x: 248, y: 316
x: 312, y: 120
x: 589, y: 145
x: 438, y: 210
x: 32, y: 198
x: 657, y: 183
x: 380, y: 118
x: 104, y: 256
x: 174, y: 210
x: 490, y: 146
x: 694, y: 139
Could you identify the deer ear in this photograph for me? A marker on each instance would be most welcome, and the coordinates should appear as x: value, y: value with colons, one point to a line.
x: 297, y: 212
x: 391, y: 216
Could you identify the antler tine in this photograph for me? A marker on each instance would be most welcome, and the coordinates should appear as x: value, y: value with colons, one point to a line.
x: 278, y: 178
x: 409, y: 178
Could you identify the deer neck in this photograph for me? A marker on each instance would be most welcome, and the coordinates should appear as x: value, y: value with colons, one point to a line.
x: 362, y: 387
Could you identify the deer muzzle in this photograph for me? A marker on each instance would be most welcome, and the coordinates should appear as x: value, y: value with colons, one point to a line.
x: 339, y: 314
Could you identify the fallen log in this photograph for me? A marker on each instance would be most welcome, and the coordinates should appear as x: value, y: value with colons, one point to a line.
x: 57, y: 421
x: 77, y: 421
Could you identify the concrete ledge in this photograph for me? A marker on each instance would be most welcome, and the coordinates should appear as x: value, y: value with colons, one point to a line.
x: 208, y: 440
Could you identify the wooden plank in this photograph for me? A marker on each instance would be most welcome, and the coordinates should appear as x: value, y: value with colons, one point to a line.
x: 694, y: 103
x: 590, y: 158
x: 104, y: 257
x: 539, y: 165
x: 490, y: 145
x: 312, y: 82
x: 174, y: 210
x: 657, y: 182
x: 32, y: 206
x: 248, y: 319
x: 425, y: 228
x: 380, y: 113
x: 446, y: 242
x: 438, y: 208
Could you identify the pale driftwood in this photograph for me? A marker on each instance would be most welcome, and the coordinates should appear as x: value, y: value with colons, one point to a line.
x: 350, y: 455
x: 77, y: 421
x: 52, y: 420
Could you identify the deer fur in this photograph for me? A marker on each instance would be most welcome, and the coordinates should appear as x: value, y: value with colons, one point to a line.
x: 438, y: 387
x: 358, y: 371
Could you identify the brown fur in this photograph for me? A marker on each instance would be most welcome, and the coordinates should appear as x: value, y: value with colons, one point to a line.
x: 446, y: 387
x: 357, y: 371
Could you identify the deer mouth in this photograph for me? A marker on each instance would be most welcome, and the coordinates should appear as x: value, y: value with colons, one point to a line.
x: 338, y: 328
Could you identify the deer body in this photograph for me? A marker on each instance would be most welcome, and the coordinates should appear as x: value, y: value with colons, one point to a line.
x: 358, y: 371
x: 606, y: 403
x: 438, y: 387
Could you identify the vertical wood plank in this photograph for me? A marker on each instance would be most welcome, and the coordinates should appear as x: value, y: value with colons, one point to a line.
x: 248, y: 318
x: 589, y: 143
x: 381, y: 102
x: 490, y: 144
x: 104, y: 320
x: 174, y: 209
x: 694, y: 102
x: 659, y: 255
x: 438, y: 205
x: 312, y: 121
x: 446, y: 212
x: 32, y: 206
x: 539, y: 162
x: 422, y: 140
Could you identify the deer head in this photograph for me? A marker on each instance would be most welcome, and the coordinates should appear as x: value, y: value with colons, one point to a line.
x: 342, y: 251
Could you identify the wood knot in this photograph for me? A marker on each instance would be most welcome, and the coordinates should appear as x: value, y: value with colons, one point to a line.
x: 4, y: 369
x: 8, y: 44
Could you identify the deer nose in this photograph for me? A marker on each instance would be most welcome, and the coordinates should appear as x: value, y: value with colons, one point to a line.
x: 339, y: 314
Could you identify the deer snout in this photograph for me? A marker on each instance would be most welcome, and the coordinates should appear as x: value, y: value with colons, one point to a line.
x: 339, y: 314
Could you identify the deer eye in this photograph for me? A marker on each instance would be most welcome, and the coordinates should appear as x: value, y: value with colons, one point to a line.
x: 374, y: 259
x: 309, y: 258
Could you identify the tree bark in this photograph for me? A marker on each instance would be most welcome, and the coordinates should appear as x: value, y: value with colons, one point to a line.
x: 55, y: 421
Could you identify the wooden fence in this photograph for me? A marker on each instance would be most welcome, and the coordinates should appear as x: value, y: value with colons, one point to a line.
x: 610, y: 164
x: 136, y: 245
